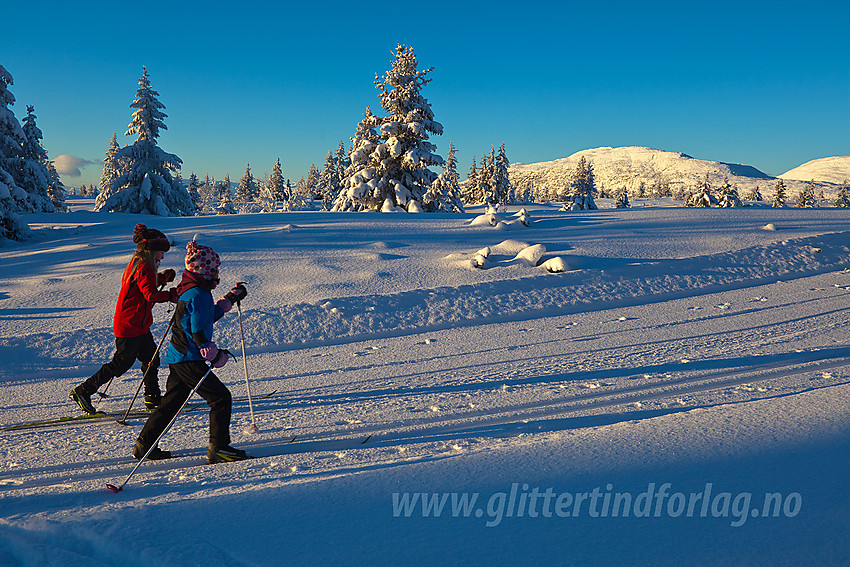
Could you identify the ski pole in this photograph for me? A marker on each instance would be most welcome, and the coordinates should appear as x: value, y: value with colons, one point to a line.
x: 119, y: 488
x: 253, y: 427
x: 123, y: 420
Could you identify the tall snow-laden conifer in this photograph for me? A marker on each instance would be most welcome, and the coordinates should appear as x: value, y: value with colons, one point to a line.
x: 278, y: 190
x: 779, y: 197
x: 56, y: 190
x: 34, y: 176
x: 806, y: 198
x: 363, y: 143
x: 329, y: 185
x: 342, y: 162
x: 622, y: 201
x: 487, y: 178
x: 193, y: 190
x: 843, y: 198
x: 583, y: 186
x: 502, y: 187
x: 13, y: 199
x: 396, y: 174
x: 246, y: 191
x: 444, y: 196
x: 146, y: 184
x: 470, y: 187
x: 111, y: 166
x: 729, y: 195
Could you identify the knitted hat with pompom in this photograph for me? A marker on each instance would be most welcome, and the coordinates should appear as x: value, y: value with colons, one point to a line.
x: 202, y: 260
x: 150, y: 239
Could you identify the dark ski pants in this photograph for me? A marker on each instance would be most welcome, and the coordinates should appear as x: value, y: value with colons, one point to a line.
x: 184, y: 376
x: 127, y: 351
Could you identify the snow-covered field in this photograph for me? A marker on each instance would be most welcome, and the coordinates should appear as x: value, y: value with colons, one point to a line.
x: 679, y: 396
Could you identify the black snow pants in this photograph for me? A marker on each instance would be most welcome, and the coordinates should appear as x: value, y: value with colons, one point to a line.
x: 184, y: 376
x: 127, y: 351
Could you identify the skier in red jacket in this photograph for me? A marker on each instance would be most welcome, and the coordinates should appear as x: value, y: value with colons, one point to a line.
x: 133, y: 318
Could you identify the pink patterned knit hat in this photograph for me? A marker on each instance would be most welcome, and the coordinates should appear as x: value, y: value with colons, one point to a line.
x: 202, y: 260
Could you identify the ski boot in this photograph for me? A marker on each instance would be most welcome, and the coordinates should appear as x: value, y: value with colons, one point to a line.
x: 156, y: 455
x: 83, y: 400
x: 152, y: 401
x: 225, y: 454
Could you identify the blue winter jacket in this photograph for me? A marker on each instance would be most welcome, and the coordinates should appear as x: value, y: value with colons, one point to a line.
x: 193, y: 325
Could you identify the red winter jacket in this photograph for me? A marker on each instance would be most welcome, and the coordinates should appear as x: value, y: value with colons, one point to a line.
x: 138, y: 293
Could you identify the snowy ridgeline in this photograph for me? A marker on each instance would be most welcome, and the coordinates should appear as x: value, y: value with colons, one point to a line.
x: 646, y: 172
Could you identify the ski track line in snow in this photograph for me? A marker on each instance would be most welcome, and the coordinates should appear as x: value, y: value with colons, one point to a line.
x: 502, y: 422
x: 304, y: 394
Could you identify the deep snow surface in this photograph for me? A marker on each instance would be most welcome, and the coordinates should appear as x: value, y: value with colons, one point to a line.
x: 690, y: 367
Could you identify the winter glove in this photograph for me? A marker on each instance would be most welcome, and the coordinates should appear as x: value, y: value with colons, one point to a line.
x: 164, y: 277
x: 216, y: 356
x: 174, y: 295
x: 237, y: 294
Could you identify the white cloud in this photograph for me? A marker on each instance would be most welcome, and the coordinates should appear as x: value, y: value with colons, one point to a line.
x: 71, y: 165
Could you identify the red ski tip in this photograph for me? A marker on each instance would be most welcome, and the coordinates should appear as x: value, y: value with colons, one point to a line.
x: 115, y: 489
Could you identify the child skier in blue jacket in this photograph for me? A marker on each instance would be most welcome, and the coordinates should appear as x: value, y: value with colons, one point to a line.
x: 191, y: 354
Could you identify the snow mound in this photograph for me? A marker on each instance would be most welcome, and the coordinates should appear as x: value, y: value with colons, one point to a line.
x: 555, y: 265
x: 531, y: 255
x: 518, y: 220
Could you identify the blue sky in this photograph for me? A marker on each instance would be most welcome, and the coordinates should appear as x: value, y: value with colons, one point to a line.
x: 761, y: 83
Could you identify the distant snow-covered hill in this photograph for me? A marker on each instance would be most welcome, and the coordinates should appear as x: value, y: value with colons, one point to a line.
x: 656, y: 172
x: 832, y: 169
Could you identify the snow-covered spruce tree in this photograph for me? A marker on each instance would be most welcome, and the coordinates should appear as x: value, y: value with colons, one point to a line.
x: 330, y: 185
x: 56, y: 190
x: 246, y: 191
x: 469, y: 189
x: 779, y: 197
x: 34, y: 175
x: 12, y: 198
x: 278, y: 189
x: 703, y: 196
x: 582, y: 187
x: 729, y: 195
x: 622, y: 201
x: 225, y: 204
x: 363, y: 144
x: 842, y: 199
x: 755, y: 195
x: 266, y: 198
x: 193, y: 190
x: 806, y: 198
x: 503, y: 189
x: 311, y: 183
x: 146, y: 184
x: 397, y: 175
x: 487, y: 179
x: 444, y: 196
x: 112, y: 167
x: 39, y: 166
x: 342, y: 162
